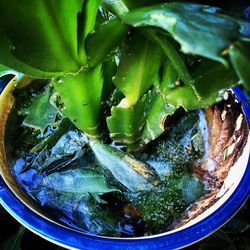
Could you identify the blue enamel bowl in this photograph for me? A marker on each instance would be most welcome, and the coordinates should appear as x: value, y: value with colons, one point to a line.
x: 180, y: 238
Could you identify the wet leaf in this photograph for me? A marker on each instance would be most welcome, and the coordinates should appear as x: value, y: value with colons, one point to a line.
x: 80, y: 211
x: 40, y: 114
x: 103, y: 40
x: 14, y: 242
x: 66, y: 150
x: 81, y: 181
x: 131, y: 173
x: 194, y: 26
x: 192, y: 188
x: 51, y: 140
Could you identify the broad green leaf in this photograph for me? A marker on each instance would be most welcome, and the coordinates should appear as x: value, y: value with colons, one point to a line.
x: 78, y: 181
x: 40, y: 114
x: 159, y: 110
x: 198, y: 30
x: 126, y: 122
x: 138, y: 68
x: 131, y: 173
x: 14, y: 242
x: 240, y: 58
x: 41, y: 39
x: 210, y: 81
x: 174, y: 57
x: 81, y: 95
x: 101, y: 42
x: 86, y: 24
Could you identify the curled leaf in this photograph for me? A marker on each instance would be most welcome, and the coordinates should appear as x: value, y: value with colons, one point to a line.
x: 130, y: 172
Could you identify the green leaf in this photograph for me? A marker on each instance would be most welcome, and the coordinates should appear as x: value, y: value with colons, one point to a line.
x: 109, y: 35
x: 130, y: 172
x: 211, y: 80
x: 81, y: 94
x: 78, y: 181
x: 159, y: 110
x: 41, y: 40
x: 126, y: 122
x: 240, y: 58
x: 138, y: 68
x: 86, y: 24
x: 40, y: 114
x: 194, y: 26
x: 14, y: 242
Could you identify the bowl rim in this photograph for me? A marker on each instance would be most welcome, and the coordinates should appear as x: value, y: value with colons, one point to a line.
x: 73, y: 239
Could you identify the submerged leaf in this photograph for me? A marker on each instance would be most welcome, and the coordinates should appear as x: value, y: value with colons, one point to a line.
x: 159, y: 208
x: 40, y: 114
x: 51, y: 140
x: 81, y: 181
x: 194, y: 26
x: 192, y: 188
x: 130, y: 172
x: 80, y: 211
x: 67, y: 149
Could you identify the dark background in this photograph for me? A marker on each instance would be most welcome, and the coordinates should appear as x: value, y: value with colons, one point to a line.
x: 235, y: 235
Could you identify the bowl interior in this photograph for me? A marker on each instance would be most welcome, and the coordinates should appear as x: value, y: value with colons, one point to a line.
x: 6, y: 102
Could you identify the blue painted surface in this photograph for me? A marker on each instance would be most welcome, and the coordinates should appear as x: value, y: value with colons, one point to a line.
x: 73, y: 239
